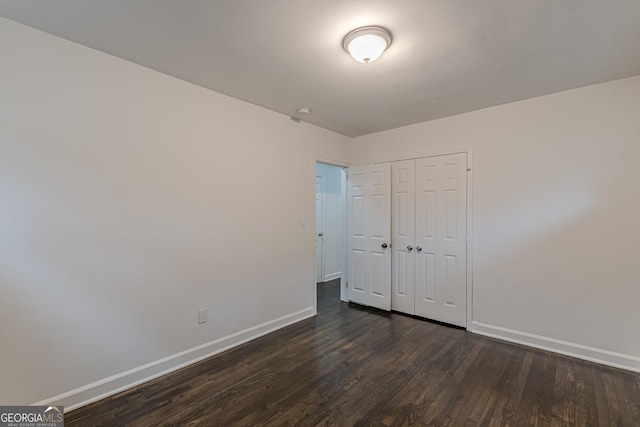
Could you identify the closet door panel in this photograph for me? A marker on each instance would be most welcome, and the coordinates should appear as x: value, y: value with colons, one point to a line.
x: 441, y: 218
x: 403, y: 235
x: 369, y: 231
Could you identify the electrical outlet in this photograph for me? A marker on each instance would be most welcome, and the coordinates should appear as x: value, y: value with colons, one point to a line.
x: 202, y: 315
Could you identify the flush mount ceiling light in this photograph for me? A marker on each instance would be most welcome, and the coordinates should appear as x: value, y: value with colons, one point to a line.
x: 366, y: 44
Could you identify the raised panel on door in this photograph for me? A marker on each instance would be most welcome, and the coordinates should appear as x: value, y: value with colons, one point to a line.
x: 441, y: 232
x: 403, y: 235
x: 425, y: 277
x: 356, y: 281
x: 369, y: 230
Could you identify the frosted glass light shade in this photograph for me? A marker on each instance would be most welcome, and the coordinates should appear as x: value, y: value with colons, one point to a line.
x: 366, y: 44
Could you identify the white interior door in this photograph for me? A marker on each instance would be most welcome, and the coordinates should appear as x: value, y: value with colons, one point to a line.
x: 320, y: 195
x: 403, y: 235
x: 369, y: 231
x: 441, y: 233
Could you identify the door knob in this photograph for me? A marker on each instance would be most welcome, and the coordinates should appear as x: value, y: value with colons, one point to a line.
x: 384, y: 246
x: 418, y: 248
x: 320, y: 234
x: 409, y: 248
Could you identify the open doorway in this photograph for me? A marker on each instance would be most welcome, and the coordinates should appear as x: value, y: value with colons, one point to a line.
x: 330, y: 232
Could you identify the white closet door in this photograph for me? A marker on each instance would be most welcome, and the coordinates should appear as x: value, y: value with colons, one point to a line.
x: 403, y: 235
x: 441, y: 231
x: 369, y: 228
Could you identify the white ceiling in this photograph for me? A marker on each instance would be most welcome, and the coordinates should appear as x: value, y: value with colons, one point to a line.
x: 447, y: 57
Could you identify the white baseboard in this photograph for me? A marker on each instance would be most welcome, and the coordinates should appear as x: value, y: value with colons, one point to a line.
x: 592, y: 354
x: 332, y: 276
x: 106, y: 387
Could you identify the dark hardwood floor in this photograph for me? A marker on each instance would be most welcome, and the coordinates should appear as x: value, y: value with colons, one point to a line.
x: 352, y: 366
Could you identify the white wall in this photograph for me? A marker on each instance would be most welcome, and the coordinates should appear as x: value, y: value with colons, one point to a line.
x: 128, y: 200
x: 333, y: 252
x: 556, y: 188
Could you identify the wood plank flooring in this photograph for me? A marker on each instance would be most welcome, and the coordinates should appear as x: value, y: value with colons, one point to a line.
x: 352, y: 366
